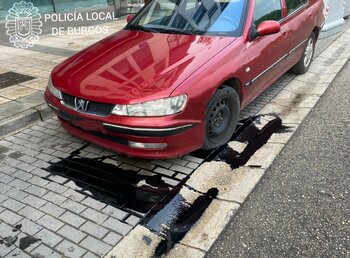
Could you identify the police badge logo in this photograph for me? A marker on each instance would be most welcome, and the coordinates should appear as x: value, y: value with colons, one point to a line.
x: 23, y: 24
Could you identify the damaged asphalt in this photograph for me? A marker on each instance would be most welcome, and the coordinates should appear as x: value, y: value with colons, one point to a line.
x: 301, y: 207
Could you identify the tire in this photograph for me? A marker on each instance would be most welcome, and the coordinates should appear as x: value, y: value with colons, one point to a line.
x: 306, y: 59
x: 221, y: 117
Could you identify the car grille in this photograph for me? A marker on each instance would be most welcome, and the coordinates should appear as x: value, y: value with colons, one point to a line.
x: 94, y: 108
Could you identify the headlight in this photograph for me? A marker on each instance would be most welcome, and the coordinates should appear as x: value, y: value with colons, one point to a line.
x: 160, y: 107
x: 54, y: 91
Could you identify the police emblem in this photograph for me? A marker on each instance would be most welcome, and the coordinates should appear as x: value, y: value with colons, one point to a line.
x: 23, y: 24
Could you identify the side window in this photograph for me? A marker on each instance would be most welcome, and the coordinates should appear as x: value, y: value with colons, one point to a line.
x: 267, y: 10
x: 293, y: 5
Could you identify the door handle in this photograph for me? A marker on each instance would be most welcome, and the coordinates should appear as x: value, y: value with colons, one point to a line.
x: 311, y: 15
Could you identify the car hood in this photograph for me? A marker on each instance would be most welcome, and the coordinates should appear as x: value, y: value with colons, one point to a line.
x: 134, y: 66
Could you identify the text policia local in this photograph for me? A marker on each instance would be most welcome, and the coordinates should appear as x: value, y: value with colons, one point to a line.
x: 79, y: 17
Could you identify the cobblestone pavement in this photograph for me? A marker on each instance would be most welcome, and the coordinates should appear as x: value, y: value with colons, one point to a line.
x: 44, y: 214
x: 67, y: 218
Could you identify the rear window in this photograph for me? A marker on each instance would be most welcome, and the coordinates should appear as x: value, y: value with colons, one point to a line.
x: 293, y: 5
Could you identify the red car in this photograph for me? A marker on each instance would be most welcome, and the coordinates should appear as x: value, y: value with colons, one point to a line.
x: 176, y: 77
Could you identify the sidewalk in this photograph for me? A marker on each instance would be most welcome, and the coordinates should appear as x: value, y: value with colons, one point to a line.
x: 24, y: 75
x: 21, y: 97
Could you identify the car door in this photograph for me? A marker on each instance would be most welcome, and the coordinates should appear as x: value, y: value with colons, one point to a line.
x: 267, y: 54
x: 300, y: 22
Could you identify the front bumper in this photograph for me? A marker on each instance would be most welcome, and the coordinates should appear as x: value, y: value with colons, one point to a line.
x: 153, y: 138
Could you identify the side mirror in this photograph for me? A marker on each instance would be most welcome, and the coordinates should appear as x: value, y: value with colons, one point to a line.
x: 268, y: 28
x: 129, y: 18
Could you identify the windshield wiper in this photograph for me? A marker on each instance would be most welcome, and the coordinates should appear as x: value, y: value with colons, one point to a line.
x: 139, y: 27
x: 180, y: 31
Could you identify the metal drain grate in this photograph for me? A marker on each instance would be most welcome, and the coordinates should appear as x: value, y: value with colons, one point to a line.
x: 10, y: 78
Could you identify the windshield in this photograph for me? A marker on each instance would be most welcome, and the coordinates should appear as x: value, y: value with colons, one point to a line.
x: 201, y: 17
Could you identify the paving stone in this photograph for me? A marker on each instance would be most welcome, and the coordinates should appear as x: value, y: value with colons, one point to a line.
x: 10, y: 217
x: 180, y: 176
x: 40, y: 172
x: 44, y: 157
x: 70, y: 250
x: 36, y: 190
x: 117, y: 226
x: 164, y: 171
x: 25, y: 167
x: 6, y: 230
x: 4, y: 250
x: 170, y: 181
x: 19, y: 184
x: 3, y: 198
x: 145, y: 165
x: 93, y: 203
x: 7, y: 170
x: 41, y: 164
x: 73, y: 206
x: 181, y: 169
x: 54, y: 197
x: 129, y: 167
x: 44, y: 251
x: 12, y: 205
x: 71, y: 233
x: 50, y: 222
x: 58, y: 179
x: 193, y: 159
x: 29, y: 227
x: 181, y: 162
x: 52, y: 209
x: 5, y: 178
x: 48, y: 237
x: 74, y: 195
x: 34, y: 201
x: 38, y: 181
x: 53, y: 186
x: 22, y: 175
x: 115, y: 212
x: 96, y: 246
x: 72, y: 219
x: 11, y: 162
x: 5, y: 188
x: 192, y: 165
x: 90, y: 255
x: 31, y: 152
x: 31, y: 213
x: 132, y: 220
x: 94, y: 215
x: 94, y: 229
x: 162, y: 163
x: 112, y: 238
x: 18, y: 253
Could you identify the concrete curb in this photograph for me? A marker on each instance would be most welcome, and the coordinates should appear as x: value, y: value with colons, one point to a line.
x: 25, y: 119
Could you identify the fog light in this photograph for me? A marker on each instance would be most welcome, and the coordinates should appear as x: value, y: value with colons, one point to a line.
x: 140, y: 145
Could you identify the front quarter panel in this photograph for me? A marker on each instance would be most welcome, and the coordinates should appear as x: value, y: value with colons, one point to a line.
x: 201, y: 86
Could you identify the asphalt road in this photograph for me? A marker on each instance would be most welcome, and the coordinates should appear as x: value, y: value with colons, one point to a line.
x: 301, y: 208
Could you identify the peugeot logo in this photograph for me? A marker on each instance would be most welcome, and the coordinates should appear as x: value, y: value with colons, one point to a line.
x: 81, y: 105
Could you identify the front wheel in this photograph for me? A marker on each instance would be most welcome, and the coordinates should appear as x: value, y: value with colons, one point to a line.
x: 221, y: 117
x: 305, y: 61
